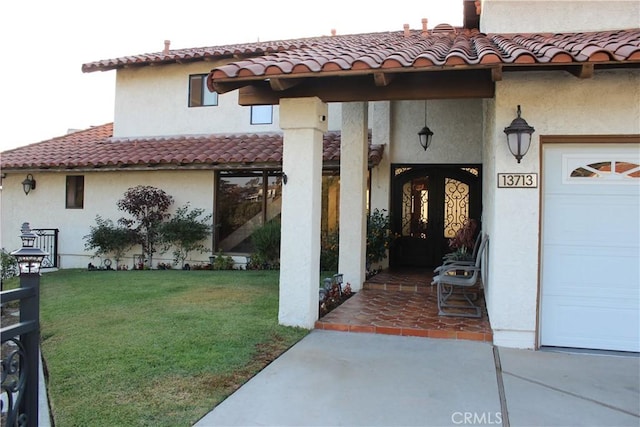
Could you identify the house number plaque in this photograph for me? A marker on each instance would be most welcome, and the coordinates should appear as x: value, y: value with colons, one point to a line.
x: 517, y: 180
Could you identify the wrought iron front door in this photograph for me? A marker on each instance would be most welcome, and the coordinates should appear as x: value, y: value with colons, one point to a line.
x: 429, y: 205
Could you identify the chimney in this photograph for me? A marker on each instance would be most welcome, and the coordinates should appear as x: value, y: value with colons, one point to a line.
x: 167, y: 44
x: 407, y: 33
x: 424, y: 26
x: 333, y: 32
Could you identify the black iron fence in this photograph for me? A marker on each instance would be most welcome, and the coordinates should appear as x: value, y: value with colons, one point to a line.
x: 20, y: 354
x: 47, y: 240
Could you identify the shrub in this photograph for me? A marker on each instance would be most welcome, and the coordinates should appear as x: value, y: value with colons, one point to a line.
x: 329, y: 250
x: 8, y: 264
x: 185, y: 231
x: 222, y: 262
x: 266, y: 242
x: 379, y: 236
x: 108, y: 239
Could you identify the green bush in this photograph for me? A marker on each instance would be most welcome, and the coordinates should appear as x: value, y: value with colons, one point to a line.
x: 108, y: 239
x: 222, y: 262
x: 379, y: 236
x: 266, y: 243
x: 8, y: 264
x: 329, y: 250
x: 185, y: 231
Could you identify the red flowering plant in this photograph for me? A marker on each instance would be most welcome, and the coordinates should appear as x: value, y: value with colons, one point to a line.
x: 464, y: 239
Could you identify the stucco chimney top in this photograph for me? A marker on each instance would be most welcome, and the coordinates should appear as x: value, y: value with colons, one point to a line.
x: 333, y: 32
x: 425, y: 21
x: 167, y: 44
x: 407, y: 33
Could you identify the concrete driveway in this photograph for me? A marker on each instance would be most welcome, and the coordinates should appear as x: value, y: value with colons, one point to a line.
x: 353, y: 379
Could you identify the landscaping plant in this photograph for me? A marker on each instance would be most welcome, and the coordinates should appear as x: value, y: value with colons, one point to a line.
x: 379, y: 236
x: 148, y: 206
x: 266, y: 243
x: 106, y: 239
x: 185, y: 231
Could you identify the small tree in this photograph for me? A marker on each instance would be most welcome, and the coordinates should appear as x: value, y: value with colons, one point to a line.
x: 185, y: 232
x: 107, y: 238
x: 148, y: 206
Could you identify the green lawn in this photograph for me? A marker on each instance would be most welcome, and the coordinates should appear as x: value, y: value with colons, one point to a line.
x: 155, y: 348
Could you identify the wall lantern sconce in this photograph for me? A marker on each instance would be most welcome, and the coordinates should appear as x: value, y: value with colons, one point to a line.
x: 425, y: 134
x: 29, y: 257
x: 518, y: 136
x: 28, y: 184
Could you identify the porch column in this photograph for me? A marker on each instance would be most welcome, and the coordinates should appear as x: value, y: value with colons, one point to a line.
x: 381, y: 174
x: 353, y: 193
x: 304, y: 121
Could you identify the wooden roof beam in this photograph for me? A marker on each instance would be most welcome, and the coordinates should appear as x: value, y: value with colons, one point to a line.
x: 496, y: 73
x: 283, y: 84
x: 582, y: 71
x: 383, y: 79
x: 409, y: 86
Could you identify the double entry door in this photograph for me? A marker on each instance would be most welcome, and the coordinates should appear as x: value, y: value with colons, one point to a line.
x: 430, y: 203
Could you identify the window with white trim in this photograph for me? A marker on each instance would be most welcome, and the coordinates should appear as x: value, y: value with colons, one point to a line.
x: 199, y: 94
x: 261, y: 114
x: 75, y: 192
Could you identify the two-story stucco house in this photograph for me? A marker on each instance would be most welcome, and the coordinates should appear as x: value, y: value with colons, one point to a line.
x: 223, y: 125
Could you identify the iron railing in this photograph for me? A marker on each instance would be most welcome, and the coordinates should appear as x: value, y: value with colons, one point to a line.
x: 48, y: 241
x: 20, y: 354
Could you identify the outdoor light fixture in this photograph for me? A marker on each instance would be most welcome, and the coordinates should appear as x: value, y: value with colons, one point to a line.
x: 518, y: 136
x: 29, y: 257
x: 425, y: 134
x: 28, y: 184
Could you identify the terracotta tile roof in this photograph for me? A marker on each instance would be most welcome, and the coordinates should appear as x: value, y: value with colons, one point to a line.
x: 202, y: 53
x: 95, y: 148
x: 412, y: 50
x: 366, y: 53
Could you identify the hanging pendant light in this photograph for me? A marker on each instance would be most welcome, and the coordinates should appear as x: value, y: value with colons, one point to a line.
x: 425, y: 134
x: 519, y: 136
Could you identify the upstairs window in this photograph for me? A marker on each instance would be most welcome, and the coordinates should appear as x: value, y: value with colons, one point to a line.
x: 261, y: 114
x: 199, y: 94
x: 75, y: 192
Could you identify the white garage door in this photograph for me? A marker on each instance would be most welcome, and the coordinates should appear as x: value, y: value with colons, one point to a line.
x: 590, y: 295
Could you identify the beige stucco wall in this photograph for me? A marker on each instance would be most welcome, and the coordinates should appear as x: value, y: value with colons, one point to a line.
x: 457, y: 128
x: 525, y: 16
x: 153, y: 101
x: 44, y: 207
x: 554, y: 103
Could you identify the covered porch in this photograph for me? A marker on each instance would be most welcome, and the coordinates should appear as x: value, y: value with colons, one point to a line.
x: 403, y: 303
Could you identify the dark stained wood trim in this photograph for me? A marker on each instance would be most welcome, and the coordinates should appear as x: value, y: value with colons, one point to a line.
x: 383, y: 79
x: 584, y: 71
x: 225, y: 87
x: 496, y: 73
x: 410, y: 86
x: 589, y: 139
x: 283, y: 84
